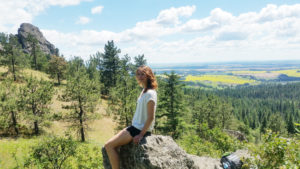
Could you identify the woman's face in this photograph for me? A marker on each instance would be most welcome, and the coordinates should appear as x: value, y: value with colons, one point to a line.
x: 141, y: 77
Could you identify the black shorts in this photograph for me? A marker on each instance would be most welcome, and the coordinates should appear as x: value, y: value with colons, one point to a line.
x: 134, y: 131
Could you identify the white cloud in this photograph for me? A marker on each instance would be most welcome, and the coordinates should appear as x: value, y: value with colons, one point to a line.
x: 97, y: 9
x: 83, y: 20
x: 65, y: 2
x: 15, y: 12
x: 171, y: 16
x: 271, y: 33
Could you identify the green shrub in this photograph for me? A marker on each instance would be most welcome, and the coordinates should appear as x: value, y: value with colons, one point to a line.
x: 276, y: 152
x: 51, y: 153
x: 59, y: 152
x: 213, y: 142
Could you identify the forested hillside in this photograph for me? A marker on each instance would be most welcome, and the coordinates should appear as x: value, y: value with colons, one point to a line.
x: 268, y: 115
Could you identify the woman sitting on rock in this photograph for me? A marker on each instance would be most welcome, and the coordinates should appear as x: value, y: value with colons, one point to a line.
x: 143, y: 120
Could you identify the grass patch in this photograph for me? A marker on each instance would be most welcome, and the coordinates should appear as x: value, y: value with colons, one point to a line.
x: 20, y: 147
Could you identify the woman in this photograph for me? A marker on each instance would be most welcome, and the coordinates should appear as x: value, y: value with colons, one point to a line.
x: 143, y: 120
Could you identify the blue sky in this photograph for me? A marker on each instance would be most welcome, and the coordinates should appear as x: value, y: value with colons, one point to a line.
x: 166, y: 31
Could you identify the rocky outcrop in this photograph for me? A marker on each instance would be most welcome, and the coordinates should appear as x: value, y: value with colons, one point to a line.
x: 159, y: 152
x: 1, y: 47
x: 238, y: 135
x: 45, y: 46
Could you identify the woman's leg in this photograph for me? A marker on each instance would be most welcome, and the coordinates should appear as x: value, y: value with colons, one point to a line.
x: 122, y: 138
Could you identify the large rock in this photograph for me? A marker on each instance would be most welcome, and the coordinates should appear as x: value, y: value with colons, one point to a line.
x: 237, y: 134
x: 45, y: 46
x: 159, y: 152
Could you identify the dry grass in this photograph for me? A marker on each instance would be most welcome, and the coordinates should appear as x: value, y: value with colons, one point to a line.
x: 100, y: 130
x: 3, y: 69
x: 37, y: 74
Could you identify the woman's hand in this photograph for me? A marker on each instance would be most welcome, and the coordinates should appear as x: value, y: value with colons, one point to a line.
x: 137, y: 138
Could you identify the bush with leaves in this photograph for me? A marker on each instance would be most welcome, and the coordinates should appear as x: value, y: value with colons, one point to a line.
x: 276, y: 152
x: 51, y: 153
x: 213, y: 142
x: 59, y: 152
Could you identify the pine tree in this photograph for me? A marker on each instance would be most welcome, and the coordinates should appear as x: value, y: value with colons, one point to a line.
x: 171, y: 105
x: 36, y: 96
x: 13, y: 56
x: 74, y: 65
x: 57, y: 67
x: 263, y: 125
x: 34, y: 49
x: 84, y: 95
x: 110, y: 66
x: 290, y: 126
x: 140, y: 60
x: 123, y: 97
x: 39, y: 59
x: 9, y: 105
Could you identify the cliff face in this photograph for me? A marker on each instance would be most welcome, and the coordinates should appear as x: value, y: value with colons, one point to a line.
x: 45, y: 46
x: 159, y: 152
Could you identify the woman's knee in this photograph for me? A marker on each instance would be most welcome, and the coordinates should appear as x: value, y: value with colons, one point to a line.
x: 108, y: 145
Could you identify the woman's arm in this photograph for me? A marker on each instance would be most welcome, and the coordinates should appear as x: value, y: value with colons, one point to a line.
x: 150, y: 111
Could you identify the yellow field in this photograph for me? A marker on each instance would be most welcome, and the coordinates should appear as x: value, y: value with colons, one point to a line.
x: 247, y: 72
x: 291, y: 73
x: 227, y: 79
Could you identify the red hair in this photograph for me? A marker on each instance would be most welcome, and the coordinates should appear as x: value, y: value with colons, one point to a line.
x: 151, y: 80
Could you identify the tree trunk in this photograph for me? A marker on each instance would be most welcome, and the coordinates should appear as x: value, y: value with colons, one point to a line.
x: 14, y: 120
x: 34, y: 56
x: 36, y: 127
x: 58, y: 78
x: 81, y: 123
x: 13, y: 67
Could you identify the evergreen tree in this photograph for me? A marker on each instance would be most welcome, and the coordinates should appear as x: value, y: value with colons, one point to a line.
x: 9, y: 106
x: 171, y: 106
x: 226, y: 113
x: 290, y: 126
x: 74, y: 65
x: 36, y: 96
x: 123, y: 97
x: 139, y: 61
x: 39, y: 59
x: 277, y: 123
x: 93, y: 67
x: 57, y: 67
x: 263, y: 125
x: 84, y: 95
x: 110, y: 66
x: 12, y: 53
x: 34, y: 49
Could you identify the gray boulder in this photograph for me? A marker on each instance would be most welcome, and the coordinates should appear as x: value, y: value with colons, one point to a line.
x: 45, y: 46
x: 236, y: 134
x: 159, y: 152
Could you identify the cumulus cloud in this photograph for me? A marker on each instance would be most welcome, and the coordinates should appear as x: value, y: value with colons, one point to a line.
x: 217, y: 18
x: 220, y: 36
x: 166, y: 23
x: 171, y: 16
x: 271, y: 33
x: 15, y: 12
x: 82, y: 20
x: 97, y: 9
